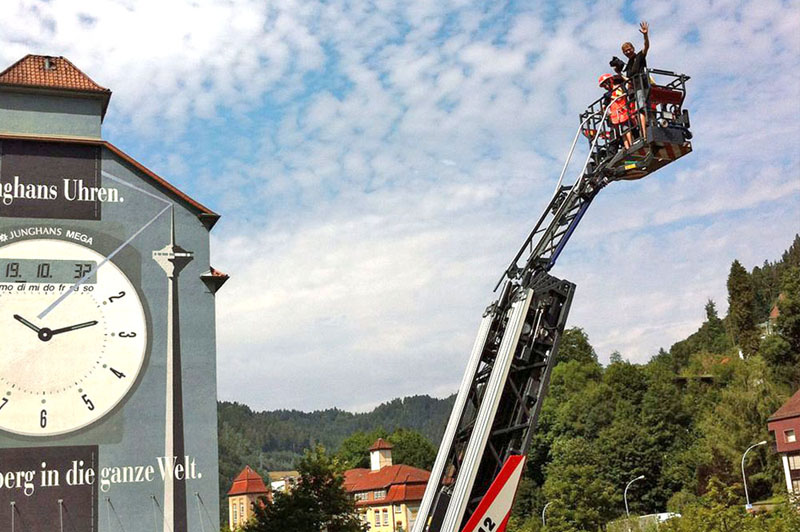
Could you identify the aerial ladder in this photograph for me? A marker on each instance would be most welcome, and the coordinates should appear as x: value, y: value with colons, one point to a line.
x: 482, y: 454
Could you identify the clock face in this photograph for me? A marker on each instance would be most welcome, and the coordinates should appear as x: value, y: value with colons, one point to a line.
x: 66, y: 370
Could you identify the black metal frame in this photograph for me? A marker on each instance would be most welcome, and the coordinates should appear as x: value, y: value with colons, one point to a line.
x: 665, y: 122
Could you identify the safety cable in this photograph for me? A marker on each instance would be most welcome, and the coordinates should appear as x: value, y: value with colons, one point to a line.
x: 157, y: 505
x: 203, y: 504
x: 155, y: 513
x: 200, y: 511
x: 108, y: 515
x: 61, y: 514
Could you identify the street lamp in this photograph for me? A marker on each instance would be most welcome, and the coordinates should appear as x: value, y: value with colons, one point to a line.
x: 640, y: 477
x: 544, y: 510
x: 744, y: 478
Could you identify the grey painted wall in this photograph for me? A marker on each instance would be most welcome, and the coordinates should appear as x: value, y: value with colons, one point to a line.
x: 39, y: 114
x: 134, y: 433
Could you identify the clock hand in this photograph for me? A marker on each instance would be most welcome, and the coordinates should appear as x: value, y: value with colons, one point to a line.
x: 26, y: 323
x: 74, y: 327
x: 90, y: 274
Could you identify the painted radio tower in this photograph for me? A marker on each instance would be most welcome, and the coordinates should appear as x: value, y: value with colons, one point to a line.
x: 172, y: 258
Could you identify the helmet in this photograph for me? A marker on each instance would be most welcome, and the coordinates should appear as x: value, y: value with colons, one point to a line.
x: 604, y: 78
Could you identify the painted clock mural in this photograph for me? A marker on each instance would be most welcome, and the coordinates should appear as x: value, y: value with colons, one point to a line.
x: 107, y: 347
x: 96, y: 337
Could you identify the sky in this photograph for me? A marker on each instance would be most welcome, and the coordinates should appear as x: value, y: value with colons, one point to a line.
x: 378, y: 163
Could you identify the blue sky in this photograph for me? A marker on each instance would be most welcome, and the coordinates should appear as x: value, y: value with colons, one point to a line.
x: 378, y: 163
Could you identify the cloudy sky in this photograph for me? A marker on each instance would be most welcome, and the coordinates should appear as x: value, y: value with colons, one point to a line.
x: 377, y: 164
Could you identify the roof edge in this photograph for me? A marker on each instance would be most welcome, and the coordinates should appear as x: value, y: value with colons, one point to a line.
x: 782, y: 417
x: 206, y: 215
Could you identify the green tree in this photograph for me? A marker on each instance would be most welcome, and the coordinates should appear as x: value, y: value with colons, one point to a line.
x: 353, y: 452
x: 741, y: 309
x: 585, y: 501
x: 737, y: 421
x: 574, y: 345
x: 412, y: 448
x: 319, y: 502
x: 626, y: 381
x: 788, y: 323
x: 721, y: 511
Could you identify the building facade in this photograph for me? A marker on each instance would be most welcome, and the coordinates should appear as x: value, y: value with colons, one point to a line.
x: 283, y: 481
x: 248, y: 489
x: 785, y: 424
x: 387, y: 495
x: 108, y: 357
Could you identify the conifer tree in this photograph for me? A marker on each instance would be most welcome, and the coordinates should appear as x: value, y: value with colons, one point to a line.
x: 741, y: 303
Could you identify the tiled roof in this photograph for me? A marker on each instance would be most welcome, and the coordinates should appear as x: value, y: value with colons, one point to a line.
x: 248, y: 482
x: 381, y: 444
x: 48, y: 72
x: 790, y: 408
x: 367, y: 480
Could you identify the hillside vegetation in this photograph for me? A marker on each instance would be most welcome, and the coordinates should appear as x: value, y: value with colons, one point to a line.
x: 682, y: 420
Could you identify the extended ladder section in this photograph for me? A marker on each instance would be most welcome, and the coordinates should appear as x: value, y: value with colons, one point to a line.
x: 500, y: 396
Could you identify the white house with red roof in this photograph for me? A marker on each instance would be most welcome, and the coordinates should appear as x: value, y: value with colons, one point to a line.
x: 247, y: 489
x: 388, y: 495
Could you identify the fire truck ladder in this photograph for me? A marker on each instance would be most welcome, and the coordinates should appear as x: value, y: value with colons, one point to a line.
x: 500, y: 396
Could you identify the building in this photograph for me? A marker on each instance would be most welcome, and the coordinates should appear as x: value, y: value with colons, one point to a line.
x: 387, y: 495
x: 283, y: 481
x: 128, y: 396
x: 248, y: 488
x: 785, y: 423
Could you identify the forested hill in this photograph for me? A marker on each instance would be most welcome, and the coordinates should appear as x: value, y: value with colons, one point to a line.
x: 272, y: 441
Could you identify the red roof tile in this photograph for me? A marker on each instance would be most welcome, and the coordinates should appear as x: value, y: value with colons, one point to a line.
x: 248, y: 482
x: 48, y: 72
x: 381, y: 444
x: 367, y: 480
x: 790, y: 408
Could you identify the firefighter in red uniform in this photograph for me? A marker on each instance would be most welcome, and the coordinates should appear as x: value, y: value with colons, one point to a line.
x: 618, y: 108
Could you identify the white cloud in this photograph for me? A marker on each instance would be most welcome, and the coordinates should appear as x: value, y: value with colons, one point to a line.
x: 382, y: 161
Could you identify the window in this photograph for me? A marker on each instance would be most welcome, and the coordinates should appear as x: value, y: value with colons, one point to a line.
x: 796, y: 486
x: 360, y: 496
x: 398, y: 508
x: 379, y: 494
x: 789, y: 436
x: 377, y: 518
x: 794, y: 462
x: 235, y: 515
x: 386, y: 518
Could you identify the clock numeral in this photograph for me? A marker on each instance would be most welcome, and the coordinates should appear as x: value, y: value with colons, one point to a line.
x: 124, y: 334
x: 43, y: 419
x: 43, y: 271
x: 120, y: 296
x: 81, y: 270
x: 4, y: 403
x: 12, y: 269
x: 119, y: 374
x: 88, y: 402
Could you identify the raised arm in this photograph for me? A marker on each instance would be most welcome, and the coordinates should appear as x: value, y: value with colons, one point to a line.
x: 644, y: 29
